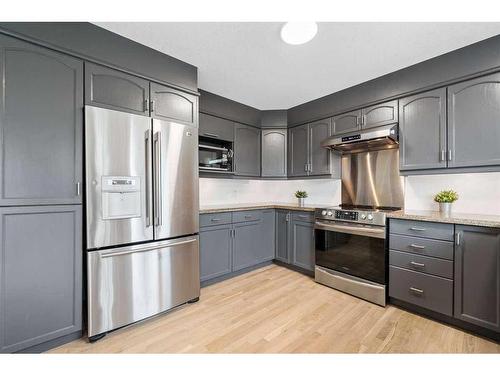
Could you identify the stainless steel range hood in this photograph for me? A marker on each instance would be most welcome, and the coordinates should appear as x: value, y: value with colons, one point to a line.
x: 382, y: 138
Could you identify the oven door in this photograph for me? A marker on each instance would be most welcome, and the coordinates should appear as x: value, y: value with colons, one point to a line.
x: 353, y: 249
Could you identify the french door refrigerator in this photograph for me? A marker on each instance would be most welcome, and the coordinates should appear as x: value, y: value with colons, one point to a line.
x: 142, y: 217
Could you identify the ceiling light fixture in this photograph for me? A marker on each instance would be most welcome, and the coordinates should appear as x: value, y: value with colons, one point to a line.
x: 298, y: 32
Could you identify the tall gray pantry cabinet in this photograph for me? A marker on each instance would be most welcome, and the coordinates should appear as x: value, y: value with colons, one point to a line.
x: 41, y: 108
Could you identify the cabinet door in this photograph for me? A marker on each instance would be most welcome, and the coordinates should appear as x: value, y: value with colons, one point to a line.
x: 41, y: 111
x: 246, y: 241
x: 173, y: 105
x: 282, y: 234
x: 474, y: 122
x: 215, y: 127
x: 477, y: 276
x: 319, y: 163
x: 215, y: 251
x: 40, y: 274
x: 109, y: 88
x: 422, y: 126
x: 380, y: 115
x: 302, y: 244
x: 274, y: 145
x: 298, y: 150
x: 268, y: 235
x: 346, y: 122
x: 246, y: 150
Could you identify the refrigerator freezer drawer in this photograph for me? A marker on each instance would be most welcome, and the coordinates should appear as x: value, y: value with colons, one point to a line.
x: 131, y: 283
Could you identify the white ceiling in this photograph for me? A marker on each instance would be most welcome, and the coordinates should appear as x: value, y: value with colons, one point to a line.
x: 249, y: 63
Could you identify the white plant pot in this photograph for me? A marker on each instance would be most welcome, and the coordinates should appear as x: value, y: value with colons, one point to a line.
x: 302, y: 202
x: 445, y: 208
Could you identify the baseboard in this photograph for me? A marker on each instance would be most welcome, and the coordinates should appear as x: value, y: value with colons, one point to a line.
x: 234, y: 274
x: 51, y: 344
x: 294, y: 268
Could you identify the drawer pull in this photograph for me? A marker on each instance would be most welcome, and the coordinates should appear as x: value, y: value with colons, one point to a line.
x: 416, y: 291
x: 417, y: 246
x: 415, y: 264
x: 248, y: 216
x: 417, y: 229
x: 303, y: 216
x: 215, y: 220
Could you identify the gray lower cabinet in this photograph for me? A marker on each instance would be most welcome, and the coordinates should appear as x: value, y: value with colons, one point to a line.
x: 173, y: 105
x: 274, y: 153
x: 422, y: 126
x: 40, y: 274
x: 41, y: 130
x: 298, y: 151
x: 268, y: 235
x: 246, y: 151
x: 109, y: 88
x: 216, y: 127
x: 319, y: 157
x: 477, y: 276
x: 302, y: 243
x: 247, y: 250
x: 346, y: 122
x: 474, y: 122
x: 380, y: 115
x: 282, y: 235
x: 215, y: 251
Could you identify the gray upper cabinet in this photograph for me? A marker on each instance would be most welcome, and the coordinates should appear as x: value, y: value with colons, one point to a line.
x: 216, y: 127
x: 282, y: 236
x: 274, y: 152
x: 246, y: 150
x: 422, y: 125
x: 380, y: 114
x: 274, y: 119
x: 346, y: 122
x: 319, y: 161
x: 215, y: 251
x: 298, y: 151
x: 41, y: 110
x: 477, y: 276
x: 474, y: 122
x: 173, y: 105
x: 302, y: 242
x: 40, y: 274
x: 109, y: 88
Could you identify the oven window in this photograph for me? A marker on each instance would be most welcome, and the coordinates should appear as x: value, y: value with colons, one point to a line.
x: 356, y: 255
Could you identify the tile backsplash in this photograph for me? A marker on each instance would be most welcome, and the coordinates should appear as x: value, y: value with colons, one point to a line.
x: 479, y: 192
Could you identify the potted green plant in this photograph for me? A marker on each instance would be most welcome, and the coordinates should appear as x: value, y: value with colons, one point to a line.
x: 445, y: 198
x: 301, y: 195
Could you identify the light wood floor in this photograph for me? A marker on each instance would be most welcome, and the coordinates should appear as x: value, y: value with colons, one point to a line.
x: 275, y: 310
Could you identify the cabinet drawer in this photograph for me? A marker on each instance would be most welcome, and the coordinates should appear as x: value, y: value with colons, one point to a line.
x: 433, y: 266
x: 421, y: 246
x: 242, y: 216
x: 430, y: 292
x: 439, y: 231
x: 215, y: 219
x: 302, y: 216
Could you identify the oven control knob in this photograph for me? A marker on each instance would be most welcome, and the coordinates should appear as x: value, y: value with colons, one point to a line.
x: 370, y: 217
x: 330, y: 213
x: 363, y: 216
x: 323, y: 212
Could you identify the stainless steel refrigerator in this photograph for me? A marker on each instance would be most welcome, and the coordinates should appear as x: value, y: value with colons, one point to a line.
x: 142, y: 217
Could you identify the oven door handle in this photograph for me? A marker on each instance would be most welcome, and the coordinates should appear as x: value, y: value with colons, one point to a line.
x: 361, y: 231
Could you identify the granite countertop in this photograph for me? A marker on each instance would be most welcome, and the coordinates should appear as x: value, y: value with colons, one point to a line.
x: 492, y: 221
x: 258, y: 206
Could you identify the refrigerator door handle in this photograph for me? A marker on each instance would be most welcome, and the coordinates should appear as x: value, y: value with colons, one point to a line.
x: 147, y: 140
x: 158, y: 187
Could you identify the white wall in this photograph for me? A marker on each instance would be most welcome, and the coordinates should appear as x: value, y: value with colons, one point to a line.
x: 222, y: 191
x: 479, y: 192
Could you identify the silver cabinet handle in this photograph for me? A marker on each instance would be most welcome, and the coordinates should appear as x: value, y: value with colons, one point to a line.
x: 287, y: 218
x: 416, y: 290
x: 78, y: 188
x: 158, y: 174
x: 417, y: 264
x: 443, y: 155
x: 417, y: 229
x: 145, y: 106
x: 305, y: 167
x: 302, y: 216
x: 215, y: 220
x: 457, y: 238
x: 417, y: 246
x: 211, y: 135
x: 450, y: 155
x: 149, y: 248
x: 148, y: 176
x: 152, y: 106
x: 248, y: 216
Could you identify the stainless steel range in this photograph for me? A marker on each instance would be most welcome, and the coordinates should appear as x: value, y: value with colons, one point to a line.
x: 350, y: 240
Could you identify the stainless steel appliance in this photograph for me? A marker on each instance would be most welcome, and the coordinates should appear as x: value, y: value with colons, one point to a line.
x: 215, y: 155
x: 142, y: 217
x: 350, y: 249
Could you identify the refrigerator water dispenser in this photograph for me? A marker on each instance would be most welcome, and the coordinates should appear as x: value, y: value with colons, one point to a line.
x: 121, y: 197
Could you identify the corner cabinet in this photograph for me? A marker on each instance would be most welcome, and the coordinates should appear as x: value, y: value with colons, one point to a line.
x: 477, y: 276
x: 246, y: 151
x: 41, y: 129
x: 319, y: 157
x: 112, y: 89
x: 173, y: 105
x: 40, y: 274
x: 474, y: 122
x: 274, y: 153
x: 422, y: 127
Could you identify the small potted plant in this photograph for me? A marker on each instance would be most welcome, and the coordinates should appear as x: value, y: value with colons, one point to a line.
x: 445, y: 198
x: 301, y: 195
